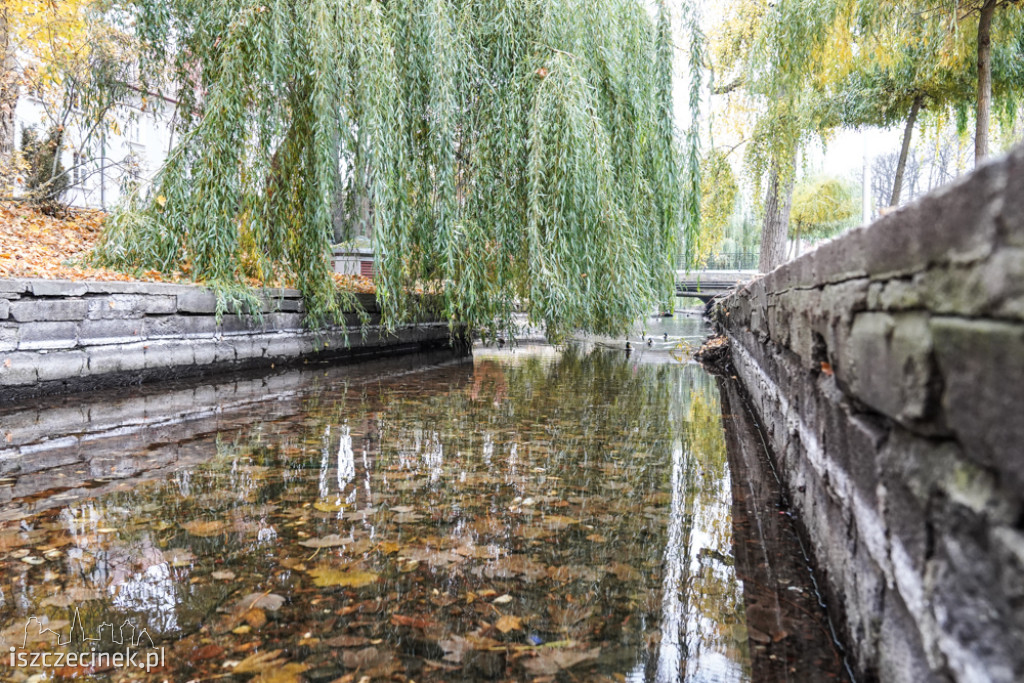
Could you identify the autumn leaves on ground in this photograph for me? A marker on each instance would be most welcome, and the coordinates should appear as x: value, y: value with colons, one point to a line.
x: 36, y: 245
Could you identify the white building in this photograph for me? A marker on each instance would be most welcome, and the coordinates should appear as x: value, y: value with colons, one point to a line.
x: 103, y: 164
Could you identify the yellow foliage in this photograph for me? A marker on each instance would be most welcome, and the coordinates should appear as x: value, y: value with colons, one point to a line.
x: 718, y: 198
x: 43, y: 34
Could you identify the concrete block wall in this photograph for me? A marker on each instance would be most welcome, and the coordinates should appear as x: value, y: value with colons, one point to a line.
x: 887, y: 368
x: 61, y: 336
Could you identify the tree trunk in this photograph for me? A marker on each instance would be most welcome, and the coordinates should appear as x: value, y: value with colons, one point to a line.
x: 8, y: 89
x: 777, y: 204
x: 984, y: 80
x: 796, y: 242
x: 901, y: 165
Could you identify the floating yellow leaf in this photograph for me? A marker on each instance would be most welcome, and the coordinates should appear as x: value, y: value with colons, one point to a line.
x: 508, y: 623
x: 289, y: 673
x: 325, y: 576
x: 259, y: 662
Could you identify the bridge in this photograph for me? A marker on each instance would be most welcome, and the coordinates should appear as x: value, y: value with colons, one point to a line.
x: 707, y: 284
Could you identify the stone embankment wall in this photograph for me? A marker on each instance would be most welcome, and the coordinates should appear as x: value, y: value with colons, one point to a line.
x: 887, y: 369
x: 58, y: 336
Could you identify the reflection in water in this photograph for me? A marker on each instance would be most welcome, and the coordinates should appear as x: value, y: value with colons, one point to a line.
x: 671, y: 654
x: 531, y: 513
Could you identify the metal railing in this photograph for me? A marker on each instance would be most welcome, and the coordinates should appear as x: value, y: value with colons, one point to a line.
x: 739, y: 260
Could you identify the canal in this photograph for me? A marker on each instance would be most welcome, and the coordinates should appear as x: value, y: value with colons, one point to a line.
x: 534, y: 513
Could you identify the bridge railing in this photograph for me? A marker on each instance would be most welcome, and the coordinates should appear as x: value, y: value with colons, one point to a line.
x: 734, y: 260
x: 729, y: 260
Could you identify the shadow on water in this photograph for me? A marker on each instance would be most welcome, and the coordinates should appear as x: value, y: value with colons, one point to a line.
x: 531, y: 514
x: 791, y: 636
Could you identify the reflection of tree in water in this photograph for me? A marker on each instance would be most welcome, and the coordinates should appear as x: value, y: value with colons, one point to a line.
x: 715, y: 620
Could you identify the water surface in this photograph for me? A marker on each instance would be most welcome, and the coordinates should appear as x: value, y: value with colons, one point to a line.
x: 533, y: 513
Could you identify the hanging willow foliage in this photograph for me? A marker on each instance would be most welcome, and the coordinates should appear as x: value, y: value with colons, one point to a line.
x: 517, y: 154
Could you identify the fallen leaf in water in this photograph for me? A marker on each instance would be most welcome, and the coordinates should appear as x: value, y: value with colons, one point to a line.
x: 179, y: 557
x: 289, y: 673
x: 758, y: 636
x: 434, y: 558
x: 413, y: 622
x: 326, y: 576
x: 211, y: 651
x: 255, y: 617
x: 361, y: 515
x: 223, y: 576
x: 268, y: 601
x: 389, y: 547
x: 367, y: 658
x: 515, y: 565
x: 259, y: 662
x: 457, y: 647
x: 293, y: 563
x: 347, y: 641
x: 204, y: 528
x: 550, y: 662
x: 324, y: 506
x: 403, y: 508
x: 535, y: 532
x: 508, y: 623
x: 502, y: 600
x: 478, y: 552
x: 566, y: 615
x: 332, y: 541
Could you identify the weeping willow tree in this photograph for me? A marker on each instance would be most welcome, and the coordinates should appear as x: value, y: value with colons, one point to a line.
x: 517, y: 154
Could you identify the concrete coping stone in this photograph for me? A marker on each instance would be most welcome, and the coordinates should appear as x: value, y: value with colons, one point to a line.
x: 168, y: 288
x: 46, y: 287
x: 57, y: 288
x: 13, y: 286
